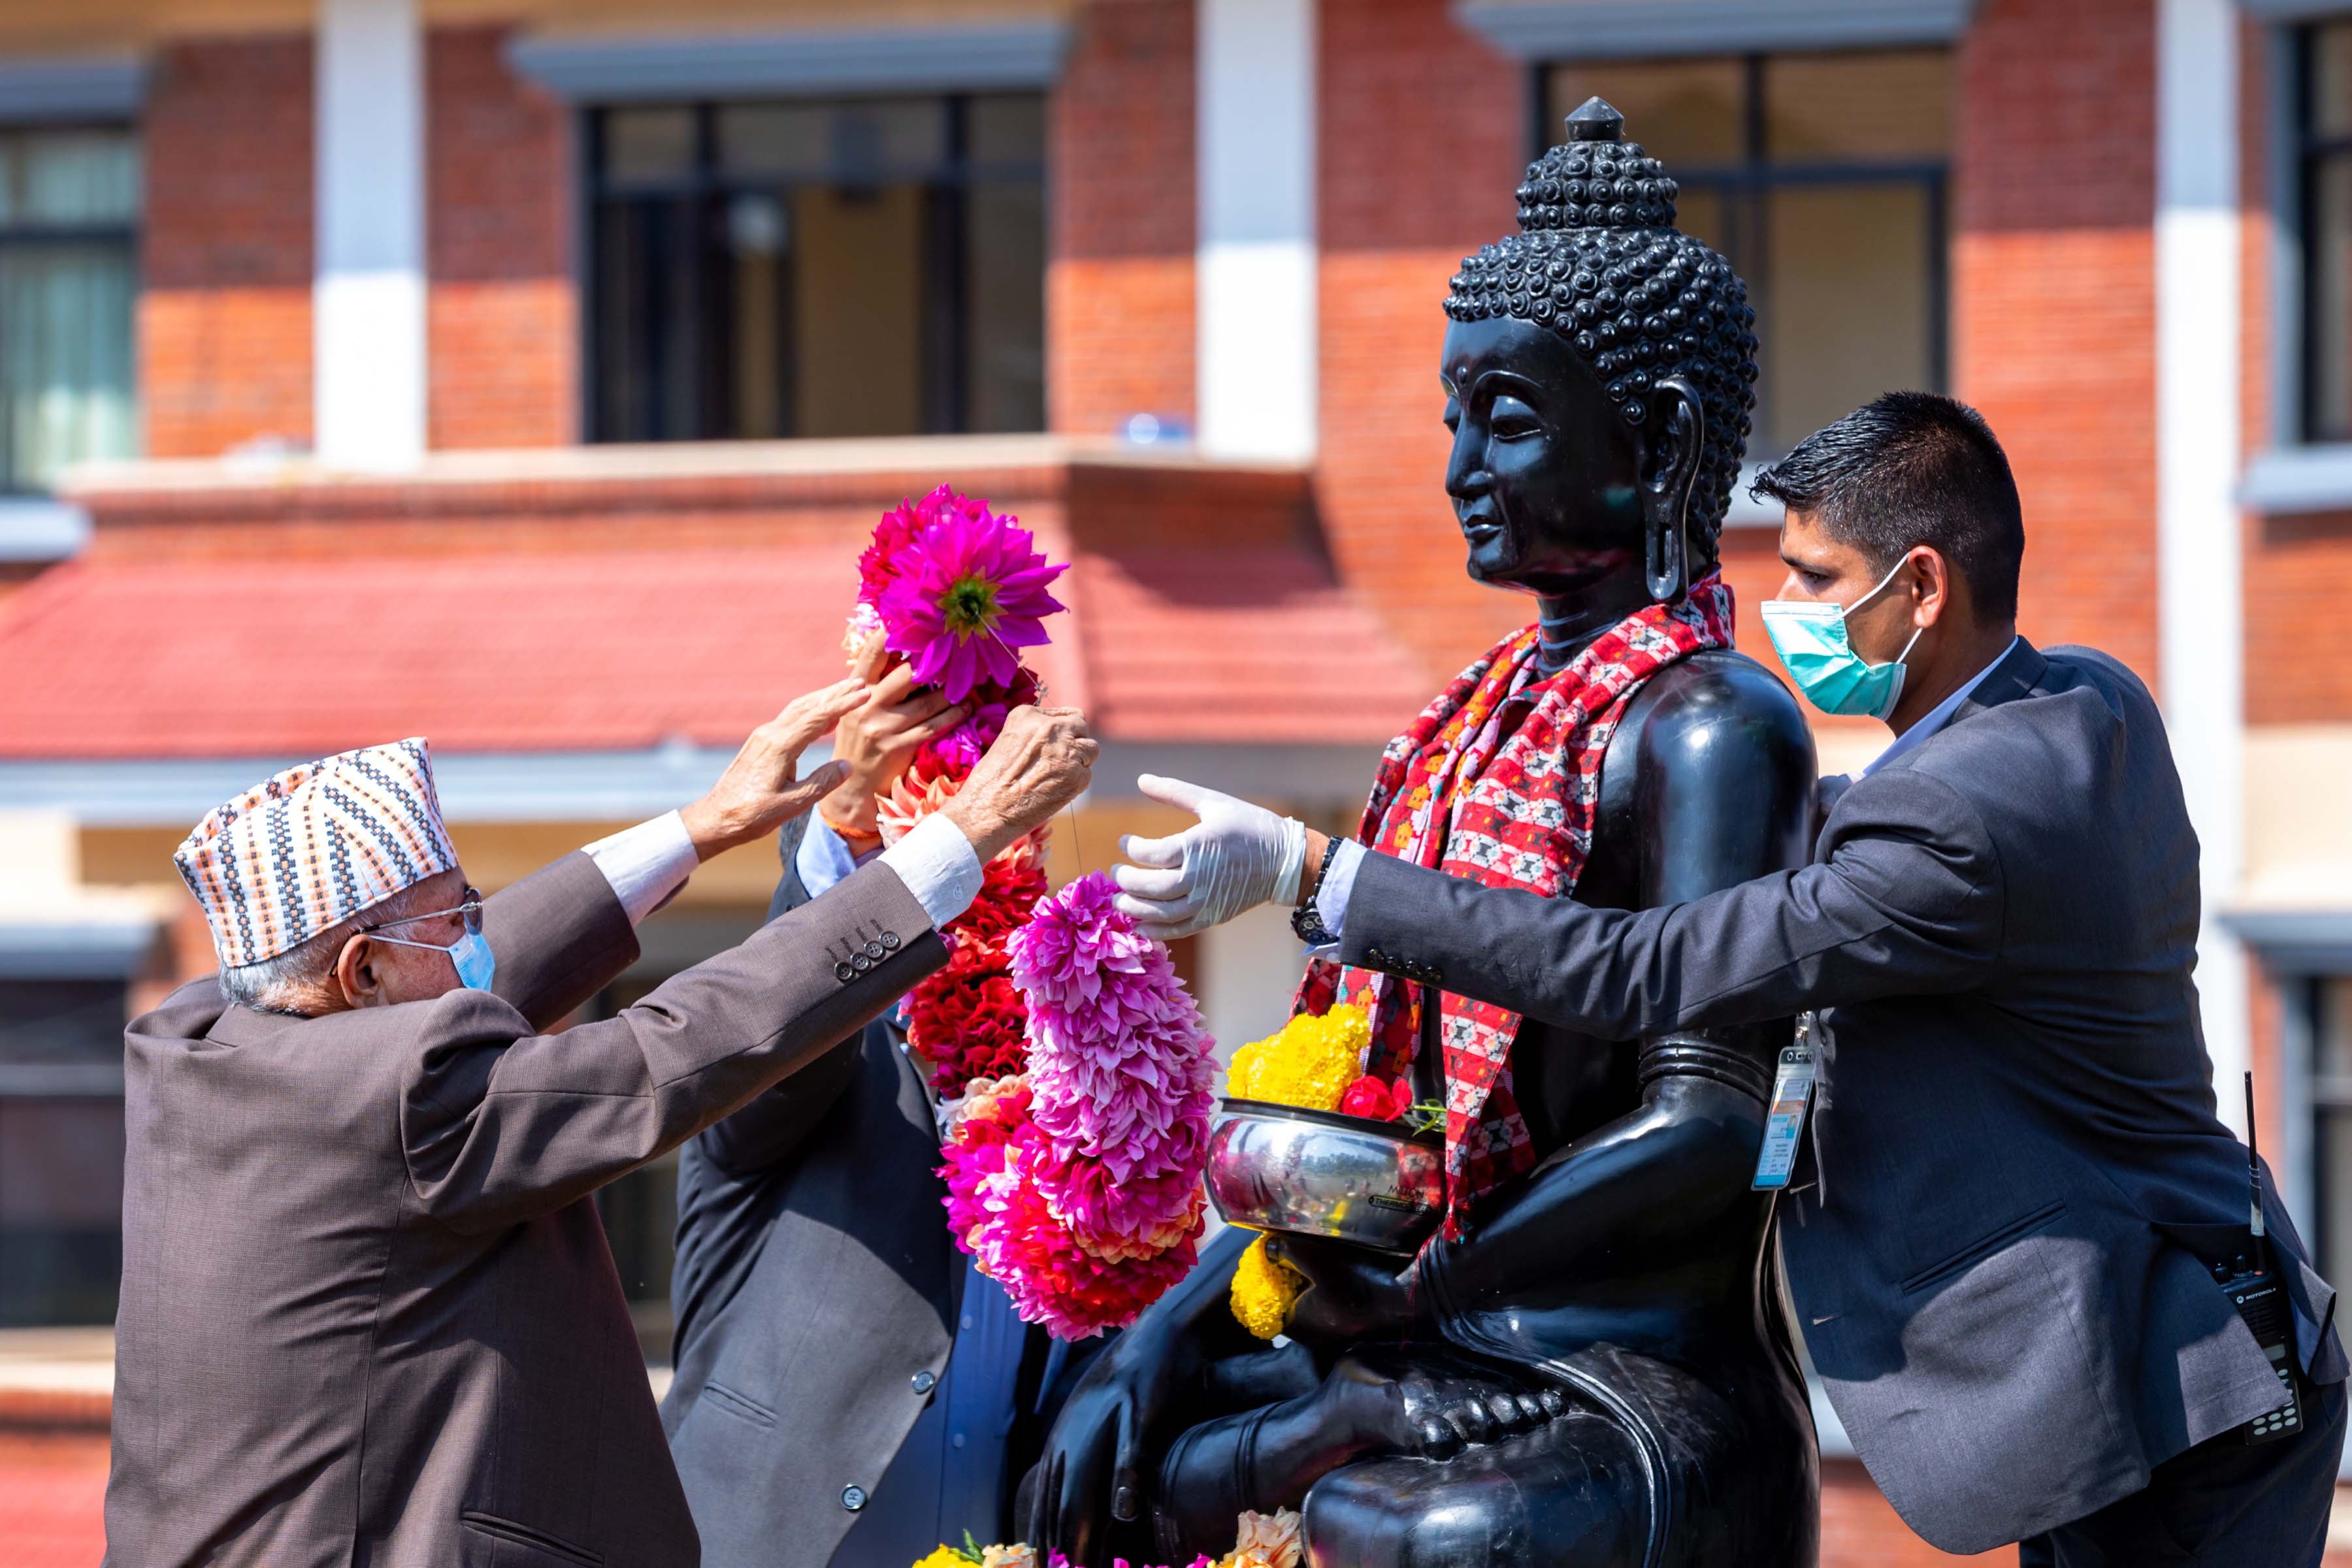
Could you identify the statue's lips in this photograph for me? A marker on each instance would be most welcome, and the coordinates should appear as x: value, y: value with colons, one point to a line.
x: 1481, y: 531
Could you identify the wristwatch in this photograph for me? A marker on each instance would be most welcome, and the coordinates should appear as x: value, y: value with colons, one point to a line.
x: 1305, y: 921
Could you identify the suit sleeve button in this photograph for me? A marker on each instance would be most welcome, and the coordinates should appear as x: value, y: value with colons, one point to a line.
x: 890, y: 940
x: 853, y: 1496
x: 875, y: 950
x: 925, y: 1380
x: 844, y: 972
x: 861, y: 964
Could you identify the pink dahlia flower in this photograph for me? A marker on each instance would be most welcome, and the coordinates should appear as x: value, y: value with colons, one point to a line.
x: 967, y: 592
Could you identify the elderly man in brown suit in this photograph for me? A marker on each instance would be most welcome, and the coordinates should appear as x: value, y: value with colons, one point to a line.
x: 368, y: 1313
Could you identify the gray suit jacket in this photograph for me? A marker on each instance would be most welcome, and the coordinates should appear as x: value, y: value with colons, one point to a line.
x: 368, y: 1313
x: 816, y: 1290
x: 1994, y: 1240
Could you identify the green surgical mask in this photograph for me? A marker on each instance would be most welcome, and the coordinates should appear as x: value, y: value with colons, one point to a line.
x: 1811, y: 639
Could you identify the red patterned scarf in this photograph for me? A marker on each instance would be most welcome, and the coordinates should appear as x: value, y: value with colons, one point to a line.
x: 1466, y: 791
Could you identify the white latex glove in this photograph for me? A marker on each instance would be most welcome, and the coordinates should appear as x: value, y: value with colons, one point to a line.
x: 1239, y: 856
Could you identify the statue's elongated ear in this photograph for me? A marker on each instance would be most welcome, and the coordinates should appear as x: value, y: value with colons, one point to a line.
x: 1675, y: 435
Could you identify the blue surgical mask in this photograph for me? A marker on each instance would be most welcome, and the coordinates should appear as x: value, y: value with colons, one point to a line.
x: 469, y: 956
x: 1811, y: 639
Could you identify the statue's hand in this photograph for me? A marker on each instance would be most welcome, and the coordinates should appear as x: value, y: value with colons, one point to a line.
x: 1091, y: 1470
x: 1353, y: 1295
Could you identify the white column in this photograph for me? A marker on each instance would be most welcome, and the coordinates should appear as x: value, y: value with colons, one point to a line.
x: 1255, y: 285
x: 2201, y: 632
x: 367, y: 296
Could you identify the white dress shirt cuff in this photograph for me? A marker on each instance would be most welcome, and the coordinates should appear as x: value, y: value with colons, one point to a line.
x: 1338, y: 882
x: 646, y: 864
x: 938, y: 866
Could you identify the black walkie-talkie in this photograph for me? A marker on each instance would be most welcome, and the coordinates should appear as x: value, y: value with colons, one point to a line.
x: 2253, y: 1288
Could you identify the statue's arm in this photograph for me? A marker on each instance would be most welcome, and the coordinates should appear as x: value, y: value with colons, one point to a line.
x: 1724, y: 786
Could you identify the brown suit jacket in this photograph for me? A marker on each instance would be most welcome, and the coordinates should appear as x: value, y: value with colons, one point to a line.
x: 368, y: 1312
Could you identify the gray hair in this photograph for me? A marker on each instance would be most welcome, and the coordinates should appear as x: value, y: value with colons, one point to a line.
x: 300, y: 982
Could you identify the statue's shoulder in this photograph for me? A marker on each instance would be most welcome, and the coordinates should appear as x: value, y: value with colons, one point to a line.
x: 1714, y: 712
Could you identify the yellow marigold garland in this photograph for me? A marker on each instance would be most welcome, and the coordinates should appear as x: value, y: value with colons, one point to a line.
x: 1310, y: 1062
x: 1265, y: 1288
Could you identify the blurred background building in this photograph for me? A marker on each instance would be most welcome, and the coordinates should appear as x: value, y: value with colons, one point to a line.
x: 358, y: 356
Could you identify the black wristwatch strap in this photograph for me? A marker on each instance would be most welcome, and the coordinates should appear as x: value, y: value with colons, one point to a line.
x: 1305, y: 921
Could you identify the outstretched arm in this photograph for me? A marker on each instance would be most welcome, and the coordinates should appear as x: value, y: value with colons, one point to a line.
x: 1908, y: 902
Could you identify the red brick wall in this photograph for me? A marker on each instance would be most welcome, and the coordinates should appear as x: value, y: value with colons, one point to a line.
x: 1118, y: 284
x: 2054, y: 299
x: 503, y: 317
x: 1405, y: 196
x: 225, y: 308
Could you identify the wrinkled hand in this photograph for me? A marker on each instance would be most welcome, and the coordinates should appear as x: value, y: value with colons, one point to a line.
x: 1043, y: 761
x: 1352, y: 1296
x: 878, y: 739
x: 1236, y: 858
x: 761, y: 789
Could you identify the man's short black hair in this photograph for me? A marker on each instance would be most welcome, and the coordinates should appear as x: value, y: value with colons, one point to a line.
x: 1909, y: 469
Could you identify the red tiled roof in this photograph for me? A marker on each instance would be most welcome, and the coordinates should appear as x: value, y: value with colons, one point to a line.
x: 622, y: 649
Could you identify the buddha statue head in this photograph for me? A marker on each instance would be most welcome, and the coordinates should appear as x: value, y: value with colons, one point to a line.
x: 1598, y: 367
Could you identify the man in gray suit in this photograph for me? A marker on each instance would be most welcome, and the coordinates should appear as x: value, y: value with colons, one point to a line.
x: 845, y: 1383
x: 2003, y: 1235
x: 368, y: 1313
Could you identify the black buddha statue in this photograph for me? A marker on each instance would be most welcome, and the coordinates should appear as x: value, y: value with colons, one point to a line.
x: 1596, y: 1370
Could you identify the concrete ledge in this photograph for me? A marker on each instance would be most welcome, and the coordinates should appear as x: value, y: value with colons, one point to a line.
x: 1007, y: 55
x: 1605, y: 29
x: 2299, y: 479
x: 714, y: 476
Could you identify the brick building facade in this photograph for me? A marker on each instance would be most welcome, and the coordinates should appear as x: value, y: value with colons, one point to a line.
x: 673, y: 297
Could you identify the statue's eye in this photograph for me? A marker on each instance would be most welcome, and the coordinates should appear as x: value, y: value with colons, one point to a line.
x: 1452, y: 415
x: 1512, y: 419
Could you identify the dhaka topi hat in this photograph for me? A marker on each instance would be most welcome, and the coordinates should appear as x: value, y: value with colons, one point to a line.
x: 305, y: 850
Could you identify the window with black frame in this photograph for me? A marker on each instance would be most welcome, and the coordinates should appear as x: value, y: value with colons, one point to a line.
x: 69, y: 278
x: 2323, y: 119
x: 860, y: 267
x: 2324, y: 1006
x: 1822, y: 178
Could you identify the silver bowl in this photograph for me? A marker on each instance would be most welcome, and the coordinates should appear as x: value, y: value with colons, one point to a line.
x: 1311, y: 1173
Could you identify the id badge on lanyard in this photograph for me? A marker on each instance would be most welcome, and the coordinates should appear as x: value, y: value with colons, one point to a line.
x: 1784, y: 1120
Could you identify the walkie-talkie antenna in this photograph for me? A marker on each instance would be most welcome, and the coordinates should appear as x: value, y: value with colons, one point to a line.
x: 2253, y: 1164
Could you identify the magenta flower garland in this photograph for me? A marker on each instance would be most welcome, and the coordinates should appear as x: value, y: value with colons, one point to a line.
x: 1074, y: 1171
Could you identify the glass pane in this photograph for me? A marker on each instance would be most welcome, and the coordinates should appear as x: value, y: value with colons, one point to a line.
x: 858, y: 310
x: 758, y: 235
x: 65, y: 359
x: 649, y: 144
x: 1689, y: 112
x: 1010, y: 130
x: 1704, y: 214
x: 647, y: 303
x: 1846, y: 315
x: 2329, y: 286
x: 784, y: 141
x: 1872, y: 104
x: 2331, y: 78
x: 1005, y: 304
x: 68, y: 177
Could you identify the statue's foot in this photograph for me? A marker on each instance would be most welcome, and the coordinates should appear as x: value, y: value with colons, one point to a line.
x: 1434, y: 1404
x: 1571, y: 1495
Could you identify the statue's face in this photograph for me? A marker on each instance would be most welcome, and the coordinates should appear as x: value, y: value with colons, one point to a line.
x: 1544, y: 474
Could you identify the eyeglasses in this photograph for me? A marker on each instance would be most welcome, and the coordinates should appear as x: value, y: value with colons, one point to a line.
x: 472, y: 908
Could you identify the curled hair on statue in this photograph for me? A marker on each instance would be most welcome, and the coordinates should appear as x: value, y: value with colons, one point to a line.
x: 1599, y: 261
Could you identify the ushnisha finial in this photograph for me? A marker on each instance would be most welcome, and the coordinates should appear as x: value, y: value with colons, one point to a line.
x: 1596, y: 120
